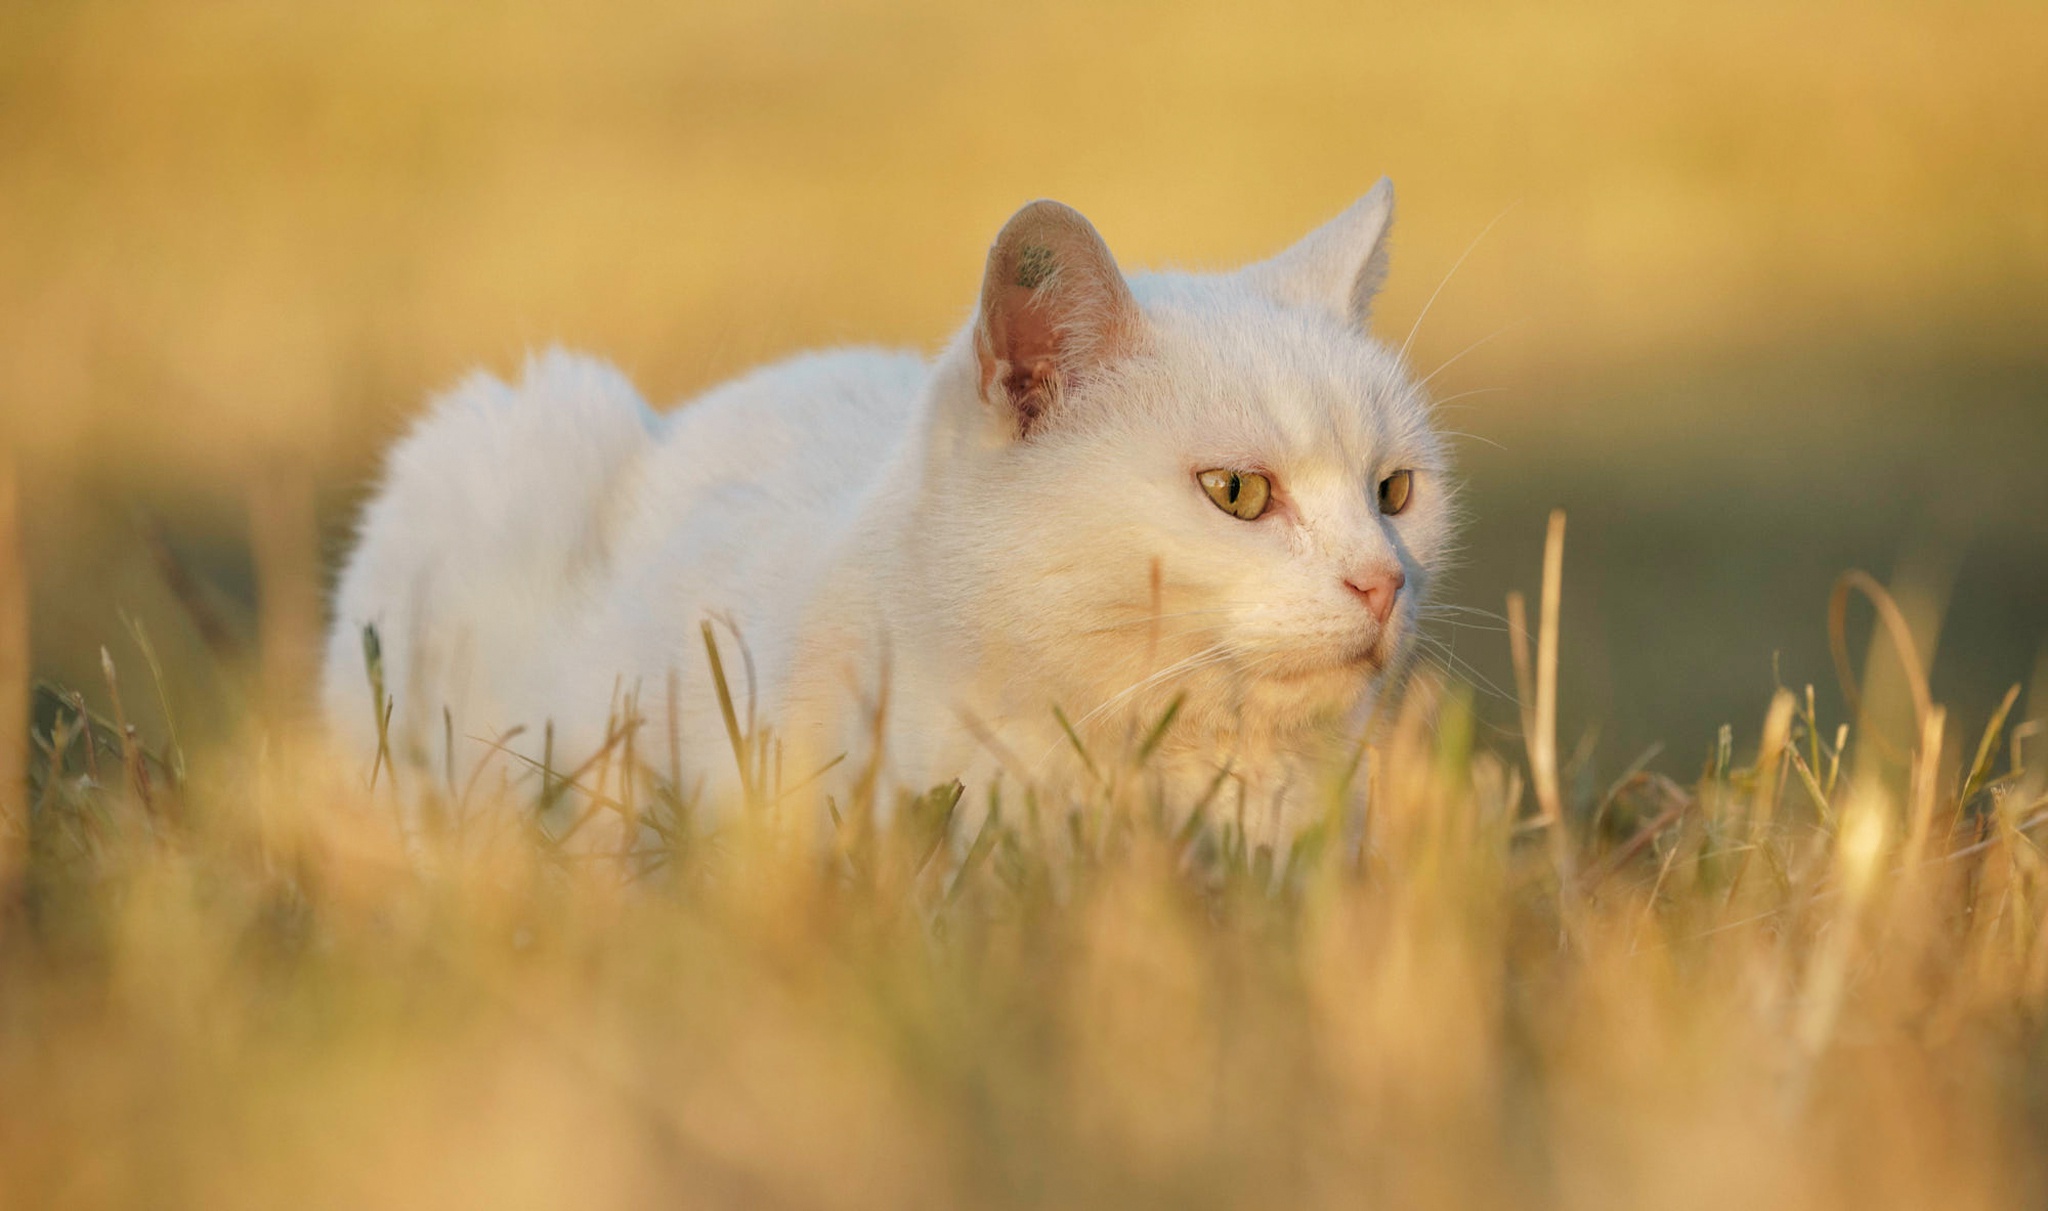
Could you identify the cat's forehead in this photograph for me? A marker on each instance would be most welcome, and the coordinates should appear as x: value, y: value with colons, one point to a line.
x: 1294, y: 382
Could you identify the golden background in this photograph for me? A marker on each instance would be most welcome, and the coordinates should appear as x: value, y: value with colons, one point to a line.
x: 1756, y: 291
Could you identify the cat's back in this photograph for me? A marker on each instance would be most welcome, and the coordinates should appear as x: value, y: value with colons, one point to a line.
x: 775, y: 455
x: 749, y: 497
x: 803, y: 428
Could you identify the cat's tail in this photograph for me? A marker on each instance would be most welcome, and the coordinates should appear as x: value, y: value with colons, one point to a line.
x: 494, y: 522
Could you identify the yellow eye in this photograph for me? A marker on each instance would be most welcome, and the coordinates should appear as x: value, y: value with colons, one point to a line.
x: 1395, y: 491
x: 1242, y: 494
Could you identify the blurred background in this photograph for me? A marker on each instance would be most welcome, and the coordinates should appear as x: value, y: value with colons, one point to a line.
x: 1756, y: 291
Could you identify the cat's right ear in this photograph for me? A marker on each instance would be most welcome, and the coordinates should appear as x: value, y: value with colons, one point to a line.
x: 1054, y: 308
x: 1339, y: 266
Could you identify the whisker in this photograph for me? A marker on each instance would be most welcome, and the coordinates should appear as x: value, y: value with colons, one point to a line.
x: 1464, y: 674
x: 1451, y: 607
x: 1502, y: 330
x: 1443, y: 612
x: 1472, y: 437
x: 1421, y: 315
x: 1457, y: 666
x: 1213, y: 654
x: 1471, y: 626
x: 1444, y: 403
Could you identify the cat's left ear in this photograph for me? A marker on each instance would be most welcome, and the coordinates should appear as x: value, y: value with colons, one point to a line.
x: 1054, y: 308
x: 1339, y: 266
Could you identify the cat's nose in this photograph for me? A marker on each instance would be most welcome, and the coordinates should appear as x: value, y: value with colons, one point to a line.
x: 1377, y: 588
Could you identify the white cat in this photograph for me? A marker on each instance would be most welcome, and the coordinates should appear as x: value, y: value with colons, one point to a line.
x: 1103, y: 495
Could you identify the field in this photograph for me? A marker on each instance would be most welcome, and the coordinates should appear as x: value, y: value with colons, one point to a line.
x: 1755, y: 296
x: 1814, y: 976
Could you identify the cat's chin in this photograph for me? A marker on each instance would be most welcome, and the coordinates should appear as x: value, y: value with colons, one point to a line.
x: 1366, y: 660
x: 1284, y: 702
x: 1333, y: 681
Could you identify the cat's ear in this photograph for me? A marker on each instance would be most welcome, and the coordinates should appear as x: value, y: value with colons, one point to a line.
x: 1054, y: 307
x: 1339, y: 266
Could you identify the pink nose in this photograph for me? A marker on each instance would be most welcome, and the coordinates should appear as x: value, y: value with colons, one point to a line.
x: 1378, y: 589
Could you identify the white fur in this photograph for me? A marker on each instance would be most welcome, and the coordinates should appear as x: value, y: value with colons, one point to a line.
x: 887, y: 546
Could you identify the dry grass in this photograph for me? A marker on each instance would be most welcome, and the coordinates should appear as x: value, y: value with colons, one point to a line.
x: 240, y: 239
x: 1815, y: 977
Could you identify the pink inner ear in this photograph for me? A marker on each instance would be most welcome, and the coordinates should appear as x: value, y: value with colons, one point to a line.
x: 1028, y: 345
x: 1053, y: 304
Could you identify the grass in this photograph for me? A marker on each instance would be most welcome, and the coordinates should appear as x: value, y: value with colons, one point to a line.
x: 1765, y: 270
x: 1814, y: 976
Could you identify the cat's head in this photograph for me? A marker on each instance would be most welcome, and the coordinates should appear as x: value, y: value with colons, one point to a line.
x: 1216, y: 484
